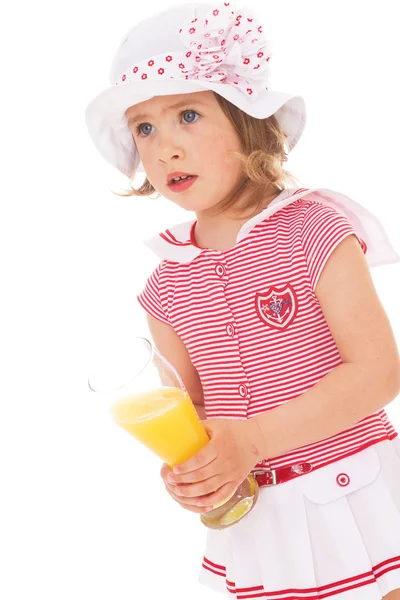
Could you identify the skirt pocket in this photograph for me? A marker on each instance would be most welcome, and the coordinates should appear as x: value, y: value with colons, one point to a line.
x: 341, y: 477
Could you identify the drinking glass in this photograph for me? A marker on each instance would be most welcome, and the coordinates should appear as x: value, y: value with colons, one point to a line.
x: 148, y: 399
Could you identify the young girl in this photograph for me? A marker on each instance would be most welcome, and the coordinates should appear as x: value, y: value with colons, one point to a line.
x: 265, y: 305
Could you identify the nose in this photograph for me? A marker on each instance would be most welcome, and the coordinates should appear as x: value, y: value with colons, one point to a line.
x: 169, y: 148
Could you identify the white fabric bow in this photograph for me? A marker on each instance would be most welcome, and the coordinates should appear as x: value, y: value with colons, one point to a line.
x: 226, y: 46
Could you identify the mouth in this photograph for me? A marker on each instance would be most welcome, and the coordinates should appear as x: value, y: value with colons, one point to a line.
x: 183, y: 184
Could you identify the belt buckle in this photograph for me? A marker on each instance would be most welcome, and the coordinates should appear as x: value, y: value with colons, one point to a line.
x: 262, y: 472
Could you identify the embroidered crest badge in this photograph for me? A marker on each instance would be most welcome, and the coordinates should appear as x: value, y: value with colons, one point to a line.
x: 278, y: 306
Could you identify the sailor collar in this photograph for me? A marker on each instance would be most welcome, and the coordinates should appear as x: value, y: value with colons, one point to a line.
x: 177, y: 244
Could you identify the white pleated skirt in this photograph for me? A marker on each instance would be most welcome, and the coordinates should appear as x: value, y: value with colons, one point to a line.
x: 332, y: 533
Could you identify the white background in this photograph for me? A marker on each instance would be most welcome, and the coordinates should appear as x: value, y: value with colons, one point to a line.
x: 83, y: 511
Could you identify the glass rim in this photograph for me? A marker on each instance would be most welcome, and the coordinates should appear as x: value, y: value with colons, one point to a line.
x: 129, y: 381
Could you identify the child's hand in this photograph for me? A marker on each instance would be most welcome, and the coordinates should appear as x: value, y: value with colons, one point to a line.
x: 192, y: 504
x: 214, y: 473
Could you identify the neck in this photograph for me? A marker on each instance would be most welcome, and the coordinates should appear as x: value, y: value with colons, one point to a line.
x: 219, y: 232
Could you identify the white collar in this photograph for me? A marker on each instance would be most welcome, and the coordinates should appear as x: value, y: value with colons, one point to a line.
x: 175, y: 244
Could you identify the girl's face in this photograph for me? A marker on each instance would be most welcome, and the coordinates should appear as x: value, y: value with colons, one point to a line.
x: 194, y: 138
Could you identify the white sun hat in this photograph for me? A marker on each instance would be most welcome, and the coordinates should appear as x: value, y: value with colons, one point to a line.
x: 184, y: 49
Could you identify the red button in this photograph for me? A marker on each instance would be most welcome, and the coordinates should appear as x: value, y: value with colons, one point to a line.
x: 220, y: 270
x: 343, y: 479
x: 243, y: 390
x: 230, y: 330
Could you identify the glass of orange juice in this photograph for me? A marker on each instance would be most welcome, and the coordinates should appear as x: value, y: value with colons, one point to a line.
x: 149, y: 400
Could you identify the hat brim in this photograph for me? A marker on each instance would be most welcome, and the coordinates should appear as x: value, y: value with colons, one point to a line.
x: 108, y: 128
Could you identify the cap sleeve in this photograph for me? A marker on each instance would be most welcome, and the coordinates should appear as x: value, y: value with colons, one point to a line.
x: 150, y: 298
x: 323, y: 228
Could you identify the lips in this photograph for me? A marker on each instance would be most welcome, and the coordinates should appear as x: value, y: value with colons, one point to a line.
x: 182, y: 185
x: 172, y: 176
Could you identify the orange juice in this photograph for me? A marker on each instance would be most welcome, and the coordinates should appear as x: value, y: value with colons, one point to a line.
x: 165, y: 420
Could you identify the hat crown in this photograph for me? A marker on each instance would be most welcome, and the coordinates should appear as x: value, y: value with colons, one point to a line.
x: 172, y: 53
x: 156, y: 35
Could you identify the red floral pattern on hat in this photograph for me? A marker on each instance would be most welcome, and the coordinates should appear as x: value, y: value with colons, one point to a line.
x: 221, y: 49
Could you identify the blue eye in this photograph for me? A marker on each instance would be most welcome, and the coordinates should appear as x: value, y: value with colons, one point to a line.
x: 190, y: 112
x: 140, y: 130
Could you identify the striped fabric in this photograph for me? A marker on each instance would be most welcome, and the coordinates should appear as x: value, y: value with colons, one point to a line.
x: 252, y: 324
x: 379, y: 572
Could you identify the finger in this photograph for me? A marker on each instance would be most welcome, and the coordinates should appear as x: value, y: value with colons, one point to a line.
x: 200, y: 488
x: 202, y: 459
x: 203, y: 472
x: 165, y: 470
x: 198, y: 509
x: 195, y: 509
x: 179, y: 498
x: 220, y: 496
x: 193, y: 504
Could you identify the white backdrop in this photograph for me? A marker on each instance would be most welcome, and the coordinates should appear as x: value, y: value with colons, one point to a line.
x: 83, y: 511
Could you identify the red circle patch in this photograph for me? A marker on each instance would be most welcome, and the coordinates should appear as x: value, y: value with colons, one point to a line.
x: 343, y: 479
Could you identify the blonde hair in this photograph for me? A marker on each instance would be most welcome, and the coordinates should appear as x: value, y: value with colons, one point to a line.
x: 261, y: 161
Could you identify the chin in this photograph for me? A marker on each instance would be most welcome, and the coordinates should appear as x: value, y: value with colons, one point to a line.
x: 188, y: 202
x: 197, y: 207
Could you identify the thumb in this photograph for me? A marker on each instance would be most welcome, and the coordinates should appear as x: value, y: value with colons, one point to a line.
x: 208, y: 427
x: 165, y: 470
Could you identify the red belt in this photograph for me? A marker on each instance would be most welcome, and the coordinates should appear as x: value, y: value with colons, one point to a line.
x: 274, y: 476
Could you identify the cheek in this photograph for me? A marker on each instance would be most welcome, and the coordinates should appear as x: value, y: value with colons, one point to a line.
x: 220, y: 157
x: 144, y: 155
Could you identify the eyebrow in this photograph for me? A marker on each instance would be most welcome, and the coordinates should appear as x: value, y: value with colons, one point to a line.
x: 133, y: 120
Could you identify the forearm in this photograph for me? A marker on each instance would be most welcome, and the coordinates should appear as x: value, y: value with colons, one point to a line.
x: 346, y: 395
x: 201, y: 411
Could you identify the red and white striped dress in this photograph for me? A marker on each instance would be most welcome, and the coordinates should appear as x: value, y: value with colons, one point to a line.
x: 254, y: 328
